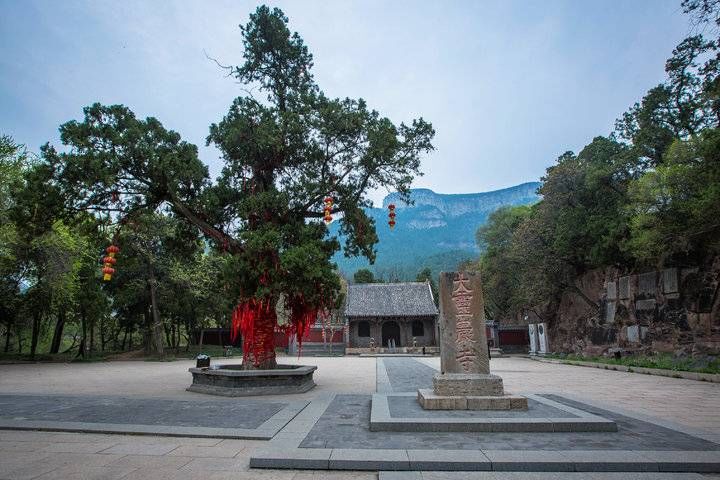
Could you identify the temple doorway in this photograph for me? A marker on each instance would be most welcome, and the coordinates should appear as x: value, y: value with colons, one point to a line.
x: 390, y: 330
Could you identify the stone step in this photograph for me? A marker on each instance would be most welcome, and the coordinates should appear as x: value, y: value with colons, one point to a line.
x: 497, y: 463
x: 538, y: 476
x: 409, y: 417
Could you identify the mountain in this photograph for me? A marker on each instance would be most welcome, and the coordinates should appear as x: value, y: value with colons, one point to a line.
x: 436, y: 231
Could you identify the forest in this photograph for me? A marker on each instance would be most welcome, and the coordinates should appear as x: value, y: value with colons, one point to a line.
x: 646, y: 196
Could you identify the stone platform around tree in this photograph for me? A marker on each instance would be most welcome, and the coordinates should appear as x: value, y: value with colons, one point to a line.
x: 398, y: 412
x: 231, y: 380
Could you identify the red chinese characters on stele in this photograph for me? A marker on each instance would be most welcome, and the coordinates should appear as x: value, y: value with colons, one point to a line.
x: 462, y: 296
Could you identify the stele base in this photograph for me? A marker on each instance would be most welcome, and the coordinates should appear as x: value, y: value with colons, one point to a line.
x: 469, y: 391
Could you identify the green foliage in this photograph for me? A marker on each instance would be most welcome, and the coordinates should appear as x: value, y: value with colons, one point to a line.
x: 646, y: 196
x: 426, y: 275
x: 501, y: 264
x: 283, y: 156
x: 255, y: 232
x: 674, y: 207
x: 660, y: 361
x: 364, y: 276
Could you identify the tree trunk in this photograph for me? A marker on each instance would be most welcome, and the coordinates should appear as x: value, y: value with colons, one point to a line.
x: 7, y: 338
x: 157, y: 329
x: 92, y: 336
x: 59, y: 327
x: 35, y: 334
x: 102, y: 335
x: 122, y: 345
x: 168, y: 337
x: 259, y: 357
x: 84, y: 325
x: 147, y: 315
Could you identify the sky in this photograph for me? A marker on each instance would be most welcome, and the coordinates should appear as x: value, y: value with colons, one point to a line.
x: 508, y: 85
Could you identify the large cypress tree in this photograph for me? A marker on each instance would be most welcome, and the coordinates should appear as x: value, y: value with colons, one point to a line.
x: 284, y: 154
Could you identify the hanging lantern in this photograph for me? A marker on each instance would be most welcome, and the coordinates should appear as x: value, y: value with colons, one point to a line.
x: 328, y: 210
x: 109, y: 261
x: 391, y: 215
x: 107, y: 273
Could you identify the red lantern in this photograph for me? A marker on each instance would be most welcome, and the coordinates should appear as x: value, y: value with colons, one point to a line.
x: 328, y: 210
x: 107, y: 273
x: 109, y: 261
x: 391, y: 215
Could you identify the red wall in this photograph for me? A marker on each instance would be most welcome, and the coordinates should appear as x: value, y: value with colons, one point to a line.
x: 514, y: 337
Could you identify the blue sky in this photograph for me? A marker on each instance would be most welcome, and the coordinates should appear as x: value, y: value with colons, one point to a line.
x: 508, y: 85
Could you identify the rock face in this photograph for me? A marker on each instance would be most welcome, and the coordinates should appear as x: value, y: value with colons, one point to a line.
x: 674, y: 310
x: 437, y: 231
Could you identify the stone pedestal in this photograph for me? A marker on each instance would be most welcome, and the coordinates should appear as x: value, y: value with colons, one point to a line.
x: 467, y: 384
x: 465, y: 381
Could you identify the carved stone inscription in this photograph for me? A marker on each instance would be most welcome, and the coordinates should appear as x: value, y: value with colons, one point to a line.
x: 464, y: 338
x: 463, y: 341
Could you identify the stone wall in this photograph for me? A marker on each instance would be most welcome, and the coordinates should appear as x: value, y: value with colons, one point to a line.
x: 674, y: 310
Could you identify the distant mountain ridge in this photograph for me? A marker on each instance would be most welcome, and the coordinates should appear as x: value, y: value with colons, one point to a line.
x: 436, y: 231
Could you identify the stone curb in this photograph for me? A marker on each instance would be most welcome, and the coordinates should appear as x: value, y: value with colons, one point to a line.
x: 702, y: 377
x: 435, y: 475
x: 490, y: 460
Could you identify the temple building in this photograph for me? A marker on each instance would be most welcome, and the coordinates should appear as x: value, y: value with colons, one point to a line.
x: 387, y: 314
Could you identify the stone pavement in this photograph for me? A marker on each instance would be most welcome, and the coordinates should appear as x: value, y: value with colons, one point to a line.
x: 170, y: 379
x: 686, y: 402
x: 105, y: 409
x: 46, y: 455
x: 334, y: 433
x: 64, y: 456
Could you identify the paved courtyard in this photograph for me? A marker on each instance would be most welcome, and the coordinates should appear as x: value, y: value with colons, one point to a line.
x: 106, y: 392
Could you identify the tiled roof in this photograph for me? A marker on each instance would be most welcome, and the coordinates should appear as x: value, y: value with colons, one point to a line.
x: 390, y: 300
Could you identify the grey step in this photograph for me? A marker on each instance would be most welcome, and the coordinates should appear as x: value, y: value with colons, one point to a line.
x: 497, y: 461
x: 537, y: 476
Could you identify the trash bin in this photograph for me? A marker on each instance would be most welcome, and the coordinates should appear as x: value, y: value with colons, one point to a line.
x: 202, y: 361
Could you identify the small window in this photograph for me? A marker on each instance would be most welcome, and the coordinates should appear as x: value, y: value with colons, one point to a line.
x: 418, y: 330
x: 364, y: 329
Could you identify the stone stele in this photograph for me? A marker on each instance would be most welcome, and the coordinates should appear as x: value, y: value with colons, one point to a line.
x: 465, y: 381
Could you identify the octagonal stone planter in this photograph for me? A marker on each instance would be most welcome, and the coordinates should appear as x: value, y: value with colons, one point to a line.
x: 231, y: 381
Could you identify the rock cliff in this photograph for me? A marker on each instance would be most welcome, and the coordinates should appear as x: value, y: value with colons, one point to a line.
x: 436, y: 230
